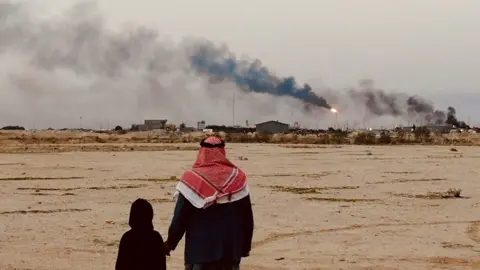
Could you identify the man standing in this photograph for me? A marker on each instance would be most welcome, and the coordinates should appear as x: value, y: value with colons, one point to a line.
x: 213, y: 210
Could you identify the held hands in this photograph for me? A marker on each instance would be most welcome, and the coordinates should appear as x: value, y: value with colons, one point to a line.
x: 167, y: 248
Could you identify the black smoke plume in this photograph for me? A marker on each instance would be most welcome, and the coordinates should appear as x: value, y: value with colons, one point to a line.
x: 220, y: 63
x: 379, y: 103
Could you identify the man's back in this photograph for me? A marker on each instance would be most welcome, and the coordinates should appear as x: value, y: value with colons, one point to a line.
x: 221, y: 232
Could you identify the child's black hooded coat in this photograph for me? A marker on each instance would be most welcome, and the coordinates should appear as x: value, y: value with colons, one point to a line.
x: 141, y: 248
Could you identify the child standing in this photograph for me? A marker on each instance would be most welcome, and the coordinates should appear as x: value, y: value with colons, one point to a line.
x: 141, y: 248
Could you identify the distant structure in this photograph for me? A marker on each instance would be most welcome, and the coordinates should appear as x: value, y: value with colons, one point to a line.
x: 248, y: 125
x: 150, y: 125
x: 406, y: 129
x: 155, y: 124
x: 138, y: 127
x: 441, y: 128
x: 201, y: 125
x: 187, y: 129
x: 272, y: 127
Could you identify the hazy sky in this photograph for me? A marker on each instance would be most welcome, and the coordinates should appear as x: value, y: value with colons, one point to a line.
x: 427, y: 47
x: 416, y: 46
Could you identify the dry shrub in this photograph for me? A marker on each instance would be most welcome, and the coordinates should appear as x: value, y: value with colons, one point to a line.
x: 401, y: 136
x: 384, y: 138
x: 423, y: 135
x: 338, y: 137
x: 263, y: 137
x: 365, y: 138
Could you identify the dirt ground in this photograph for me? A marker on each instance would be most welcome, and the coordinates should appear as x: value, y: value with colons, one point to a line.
x: 325, y: 207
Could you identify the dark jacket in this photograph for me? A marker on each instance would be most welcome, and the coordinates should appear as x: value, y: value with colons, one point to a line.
x: 141, y: 251
x: 221, y: 232
x: 141, y: 248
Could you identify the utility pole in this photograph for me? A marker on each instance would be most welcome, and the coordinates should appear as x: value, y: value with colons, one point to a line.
x: 336, y: 121
x: 233, y: 109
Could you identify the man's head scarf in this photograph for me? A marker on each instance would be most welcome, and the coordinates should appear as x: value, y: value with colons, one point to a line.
x: 213, y: 177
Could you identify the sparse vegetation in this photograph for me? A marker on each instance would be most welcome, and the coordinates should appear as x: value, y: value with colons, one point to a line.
x: 423, y: 135
x: 160, y: 200
x: 452, y: 193
x: 365, y: 138
x: 341, y: 199
x: 117, y: 139
x: 43, y: 211
x: 408, y: 180
x: 307, y: 190
x: 38, y: 189
x: 384, y: 138
x: 30, y: 178
x: 158, y: 180
x: 100, y: 242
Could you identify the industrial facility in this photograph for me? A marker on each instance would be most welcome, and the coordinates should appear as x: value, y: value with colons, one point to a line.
x: 277, y: 127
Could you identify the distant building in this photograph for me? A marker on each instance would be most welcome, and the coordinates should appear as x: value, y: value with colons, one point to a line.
x: 272, y: 127
x: 155, y: 124
x: 201, y: 125
x: 440, y: 128
x: 187, y: 129
x: 139, y: 127
x: 405, y: 129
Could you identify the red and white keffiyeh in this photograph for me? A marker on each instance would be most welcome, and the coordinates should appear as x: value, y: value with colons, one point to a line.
x: 213, y: 178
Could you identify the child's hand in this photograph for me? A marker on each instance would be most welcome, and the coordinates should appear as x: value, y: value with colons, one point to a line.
x: 167, y: 248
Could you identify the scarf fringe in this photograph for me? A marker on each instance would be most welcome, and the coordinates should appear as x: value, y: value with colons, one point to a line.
x: 200, y: 203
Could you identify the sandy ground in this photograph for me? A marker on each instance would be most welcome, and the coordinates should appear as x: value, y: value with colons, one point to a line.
x: 366, y: 207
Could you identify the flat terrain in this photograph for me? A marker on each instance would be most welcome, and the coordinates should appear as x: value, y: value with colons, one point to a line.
x: 316, y: 207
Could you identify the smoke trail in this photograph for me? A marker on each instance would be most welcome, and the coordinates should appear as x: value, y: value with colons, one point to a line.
x: 379, y: 103
x: 55, y: 72
x: 220, y: 63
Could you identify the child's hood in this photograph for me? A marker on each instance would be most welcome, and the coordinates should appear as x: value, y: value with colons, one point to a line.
x: 141, y: 215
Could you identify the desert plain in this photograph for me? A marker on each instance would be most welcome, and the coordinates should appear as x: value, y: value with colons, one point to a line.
x: 315, y: 206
